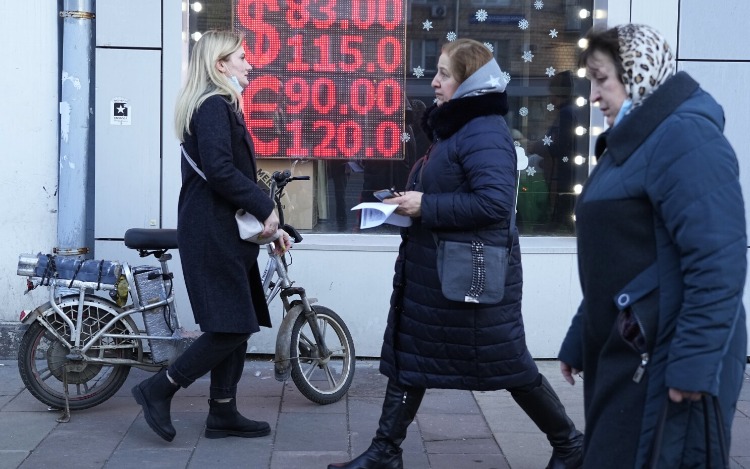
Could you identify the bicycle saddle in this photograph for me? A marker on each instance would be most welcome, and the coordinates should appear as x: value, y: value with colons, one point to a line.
x: 144, y: 238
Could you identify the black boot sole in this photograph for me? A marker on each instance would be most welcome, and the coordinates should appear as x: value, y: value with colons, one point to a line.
x: 141, y: 400
x: 214, y: 433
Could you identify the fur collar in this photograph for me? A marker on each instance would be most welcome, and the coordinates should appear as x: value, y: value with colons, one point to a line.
x: 443, y: 121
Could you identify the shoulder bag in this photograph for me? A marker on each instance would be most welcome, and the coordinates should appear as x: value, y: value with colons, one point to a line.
x: 474, y: 272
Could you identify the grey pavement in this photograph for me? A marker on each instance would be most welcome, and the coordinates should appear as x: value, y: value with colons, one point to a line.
x: 453, y: 429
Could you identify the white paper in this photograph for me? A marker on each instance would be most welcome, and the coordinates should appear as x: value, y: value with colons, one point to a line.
x: 376, y: 213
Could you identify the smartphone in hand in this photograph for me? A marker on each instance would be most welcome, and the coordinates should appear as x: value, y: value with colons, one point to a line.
x: 383, y: 194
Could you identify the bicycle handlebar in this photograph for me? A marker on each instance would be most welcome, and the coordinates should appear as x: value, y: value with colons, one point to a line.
x: 279, y: 180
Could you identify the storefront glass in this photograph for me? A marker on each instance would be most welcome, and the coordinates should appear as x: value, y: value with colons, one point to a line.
x: 341, y: 86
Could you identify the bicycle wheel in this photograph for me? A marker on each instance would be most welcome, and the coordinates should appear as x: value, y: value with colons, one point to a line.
x: 42, y: 356
x: 323, y: 380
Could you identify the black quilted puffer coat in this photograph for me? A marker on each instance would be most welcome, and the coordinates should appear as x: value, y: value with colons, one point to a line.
x: 468, y: 181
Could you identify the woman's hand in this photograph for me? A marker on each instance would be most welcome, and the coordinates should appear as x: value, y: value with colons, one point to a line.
x: 568, y: 372
x: 283, y: 243
x: 270, y: 225
x: 409, y: 204
x: 678, y: 396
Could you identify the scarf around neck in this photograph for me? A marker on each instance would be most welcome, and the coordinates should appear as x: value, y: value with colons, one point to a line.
x: 488, y: 79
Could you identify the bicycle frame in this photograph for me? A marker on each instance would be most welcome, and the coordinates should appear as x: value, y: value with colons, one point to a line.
x: 77, y: 349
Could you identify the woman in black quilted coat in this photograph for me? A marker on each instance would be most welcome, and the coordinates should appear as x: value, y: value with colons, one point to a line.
x: 463, y: 189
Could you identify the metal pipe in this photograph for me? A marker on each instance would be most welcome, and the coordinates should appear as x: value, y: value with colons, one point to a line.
x: 75, y: 132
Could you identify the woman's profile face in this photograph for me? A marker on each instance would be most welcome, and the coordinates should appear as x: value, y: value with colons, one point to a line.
x: 444, y: 83
x: 236, y: 65
x: 606, y: 88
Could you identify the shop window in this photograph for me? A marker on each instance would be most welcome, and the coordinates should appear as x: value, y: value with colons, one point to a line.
x: 356, y: 150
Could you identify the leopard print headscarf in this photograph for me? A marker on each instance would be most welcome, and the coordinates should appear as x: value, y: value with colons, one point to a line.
x: 646, y: 58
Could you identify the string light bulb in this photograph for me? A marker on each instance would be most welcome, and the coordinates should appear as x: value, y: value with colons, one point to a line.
x: 580, y: 130
x: 197, y: 7
x: 578, y: 188
x: 196, y: 36
x: 579, y: 160
x: 584, y: 13
x: 581, y: 72
x: 583, y: 43
x: 581, y: 101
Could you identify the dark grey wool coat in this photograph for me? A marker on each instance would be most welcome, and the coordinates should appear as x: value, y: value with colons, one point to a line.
x: 221, y: 270
x: 661, y: 220
x: 468, y: 181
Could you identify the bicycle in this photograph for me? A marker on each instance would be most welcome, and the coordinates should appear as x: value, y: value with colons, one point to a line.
x: 83, y: 340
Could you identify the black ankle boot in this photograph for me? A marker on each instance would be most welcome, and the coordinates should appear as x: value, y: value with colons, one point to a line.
x: 543, y: 406
x: 224, y: 420
x: 399, y: 409
x: 155, y: 396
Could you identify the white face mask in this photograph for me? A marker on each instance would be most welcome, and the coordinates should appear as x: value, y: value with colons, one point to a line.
x: 236, y: 84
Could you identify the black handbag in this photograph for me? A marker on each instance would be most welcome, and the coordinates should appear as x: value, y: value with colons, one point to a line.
x: 711, y: 408
x: 474, y: 272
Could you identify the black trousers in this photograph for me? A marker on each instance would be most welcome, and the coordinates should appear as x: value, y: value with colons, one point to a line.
x: 221, y: 353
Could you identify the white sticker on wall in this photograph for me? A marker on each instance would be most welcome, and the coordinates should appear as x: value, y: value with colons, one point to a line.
x: 120, y: 112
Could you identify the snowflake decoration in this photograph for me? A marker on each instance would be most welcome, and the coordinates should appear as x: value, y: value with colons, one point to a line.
x: 538, y: 4
x: 550, y: 71
x: 531, y: 170
x: 427, y: 24
x: 451, y: 36
x: 547, y: 140
x: 524, y: 111
x: 553, y: 33
x: 523, y: 24
x: 565, y: 159
x: 506, y: 75
x: 481, y: 15
x: 550, y: 107
x: 418, y: 72
x: 527, y: 56
x: 405, y: 137
x: 489, y: 46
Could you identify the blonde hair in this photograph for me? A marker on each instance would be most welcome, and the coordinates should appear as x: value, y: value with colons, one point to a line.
x: 467, y: 56
x: 204, y: 79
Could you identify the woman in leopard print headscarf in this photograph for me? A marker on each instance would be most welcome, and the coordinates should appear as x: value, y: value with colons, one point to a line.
x: 660, y: 334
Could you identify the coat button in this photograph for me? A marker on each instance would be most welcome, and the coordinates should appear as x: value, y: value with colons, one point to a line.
x: 623, y: 300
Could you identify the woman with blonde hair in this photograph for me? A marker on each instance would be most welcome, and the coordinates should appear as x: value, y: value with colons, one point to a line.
x: 220, y: 269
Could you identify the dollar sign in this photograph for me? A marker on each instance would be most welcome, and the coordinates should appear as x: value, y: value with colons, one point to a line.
x: 263, y: 42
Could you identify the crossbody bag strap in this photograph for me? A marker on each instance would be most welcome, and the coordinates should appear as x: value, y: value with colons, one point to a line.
x: 192, y: 163
x: 513, y: 215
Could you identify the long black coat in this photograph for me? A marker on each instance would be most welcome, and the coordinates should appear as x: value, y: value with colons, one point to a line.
x: 220, y: 269
x: 661, y: 231
x: 468, y: 181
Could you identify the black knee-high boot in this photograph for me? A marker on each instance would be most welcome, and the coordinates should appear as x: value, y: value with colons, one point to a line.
x: 543, y: 406
x: 399, y: 409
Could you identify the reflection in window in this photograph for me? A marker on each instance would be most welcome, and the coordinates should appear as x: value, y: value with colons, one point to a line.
x: 534, y: 41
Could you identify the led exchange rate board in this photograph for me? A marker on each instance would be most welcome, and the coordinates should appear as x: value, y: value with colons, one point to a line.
x: 328, y: 78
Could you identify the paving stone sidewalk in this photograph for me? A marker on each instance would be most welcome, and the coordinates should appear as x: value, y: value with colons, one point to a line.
x: 453, y: 430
